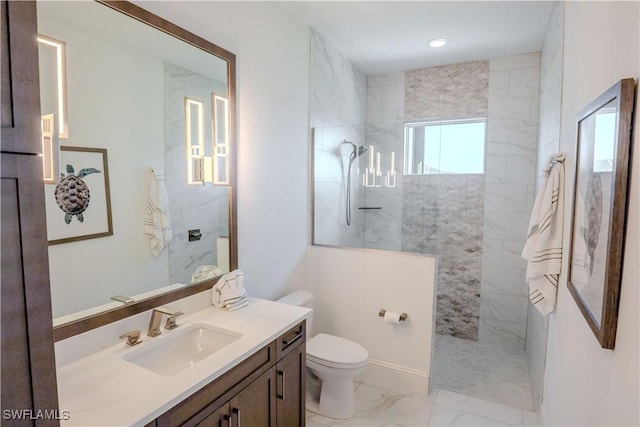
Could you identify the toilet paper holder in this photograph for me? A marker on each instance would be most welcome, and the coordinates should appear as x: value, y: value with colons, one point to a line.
x: 403, y: 316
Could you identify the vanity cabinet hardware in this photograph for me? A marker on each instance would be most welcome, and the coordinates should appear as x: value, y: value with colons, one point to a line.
x: 287, y: 343
x: 133, y: 337
x: 236, y: 412
x: 280, y: 394
x: 227, y: 418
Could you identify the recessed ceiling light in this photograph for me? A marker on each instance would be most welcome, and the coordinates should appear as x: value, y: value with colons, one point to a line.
x: 437, y: 42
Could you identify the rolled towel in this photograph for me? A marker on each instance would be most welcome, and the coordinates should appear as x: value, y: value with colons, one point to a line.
x: 229, y: 288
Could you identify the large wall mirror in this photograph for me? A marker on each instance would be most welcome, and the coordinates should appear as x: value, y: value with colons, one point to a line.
x: 138, y: 119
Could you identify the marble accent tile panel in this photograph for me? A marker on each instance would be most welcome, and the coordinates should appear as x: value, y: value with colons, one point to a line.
x: 443, y: 215
x: 483, y: 371
x: 447, y: 92
x: 524, y: 82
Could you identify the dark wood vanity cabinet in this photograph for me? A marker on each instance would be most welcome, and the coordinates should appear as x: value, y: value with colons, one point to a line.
x: 28, y: 365
x: 266, y: 390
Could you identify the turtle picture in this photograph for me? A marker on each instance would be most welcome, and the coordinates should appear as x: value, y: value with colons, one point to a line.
x: 72, y: 193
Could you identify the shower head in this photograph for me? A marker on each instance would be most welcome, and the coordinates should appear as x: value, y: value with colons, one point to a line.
x: 357, y: 150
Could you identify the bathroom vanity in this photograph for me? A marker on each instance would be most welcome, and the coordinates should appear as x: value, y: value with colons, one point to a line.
x: 258, y: 379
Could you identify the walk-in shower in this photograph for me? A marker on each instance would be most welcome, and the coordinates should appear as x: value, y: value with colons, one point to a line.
x: 356, y: 152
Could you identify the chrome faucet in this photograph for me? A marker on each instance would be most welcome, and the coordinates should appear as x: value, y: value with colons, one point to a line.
x: 156, y: 318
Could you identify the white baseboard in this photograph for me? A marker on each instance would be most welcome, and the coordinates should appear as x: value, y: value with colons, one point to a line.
x: 396, y: 378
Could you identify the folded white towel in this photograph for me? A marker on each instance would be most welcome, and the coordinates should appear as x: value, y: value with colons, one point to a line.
x: 206, y: 272
x: 156, y: 222
x: 229, y: 292
x: 543, y: 249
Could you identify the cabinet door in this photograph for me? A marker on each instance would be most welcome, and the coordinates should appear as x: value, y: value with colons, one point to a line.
x: 255, y: 405
x: 28, y: 365
x: 220, y: 418
x: 20, y: 100
x: 290, y: 388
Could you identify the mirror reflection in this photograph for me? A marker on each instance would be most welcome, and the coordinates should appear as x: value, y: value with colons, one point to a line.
x: 139, y: 117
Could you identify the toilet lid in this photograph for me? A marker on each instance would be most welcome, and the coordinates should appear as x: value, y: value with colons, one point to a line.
x: 332, y: 350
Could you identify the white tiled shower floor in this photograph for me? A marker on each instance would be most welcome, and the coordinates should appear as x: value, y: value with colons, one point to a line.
x: 481, y: 370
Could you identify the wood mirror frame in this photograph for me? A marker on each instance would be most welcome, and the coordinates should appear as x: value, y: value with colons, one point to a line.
x: 97, y: 320
x: 608, y: 258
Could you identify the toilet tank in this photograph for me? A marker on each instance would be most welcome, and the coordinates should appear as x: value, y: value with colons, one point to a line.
x: 301, y: 299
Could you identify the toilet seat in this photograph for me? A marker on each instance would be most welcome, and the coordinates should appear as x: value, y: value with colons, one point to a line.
x: 335, y: 352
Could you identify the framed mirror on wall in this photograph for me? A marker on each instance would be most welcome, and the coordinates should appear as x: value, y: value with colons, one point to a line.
x: 599, y: 208
x: 161, y: 101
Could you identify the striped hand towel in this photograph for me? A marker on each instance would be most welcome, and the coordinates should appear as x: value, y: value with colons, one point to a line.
x: 543, y: 249
x: 156, y: 222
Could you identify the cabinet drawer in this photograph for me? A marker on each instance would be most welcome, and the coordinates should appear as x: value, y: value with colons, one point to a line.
x: 215, y: 394
x: 288, y: 341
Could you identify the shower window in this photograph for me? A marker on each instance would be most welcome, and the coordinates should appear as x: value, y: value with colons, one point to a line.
x: 444, y: 147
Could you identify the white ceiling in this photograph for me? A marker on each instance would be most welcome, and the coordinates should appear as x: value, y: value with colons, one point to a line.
x: 385, y: 36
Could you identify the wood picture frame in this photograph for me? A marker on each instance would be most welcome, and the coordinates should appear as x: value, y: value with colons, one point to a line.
x: 599, y: 208
x: 86, y: 212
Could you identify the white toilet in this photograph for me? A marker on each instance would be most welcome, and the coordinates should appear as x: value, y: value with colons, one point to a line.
x: 334, y: 361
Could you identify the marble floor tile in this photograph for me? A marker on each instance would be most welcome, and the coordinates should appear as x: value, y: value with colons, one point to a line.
x: 483, y: 371
x: 379, y: 407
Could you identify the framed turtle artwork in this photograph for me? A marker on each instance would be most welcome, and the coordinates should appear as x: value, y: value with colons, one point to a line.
x: 78, y: 203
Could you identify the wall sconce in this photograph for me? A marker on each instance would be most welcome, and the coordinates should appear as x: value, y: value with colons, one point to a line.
x: 390, y: 179
x: 370, y: 170
x: 60, y: 105
x: 220, y: 130
x: 50, y: 149
x: 194, y: 136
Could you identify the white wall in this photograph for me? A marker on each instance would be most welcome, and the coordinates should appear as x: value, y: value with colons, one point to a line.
x: 352, y: 285
x: 585, y: 384
x: 272, y: 51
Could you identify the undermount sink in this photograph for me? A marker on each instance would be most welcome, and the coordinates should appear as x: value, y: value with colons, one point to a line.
x: 179, y: 350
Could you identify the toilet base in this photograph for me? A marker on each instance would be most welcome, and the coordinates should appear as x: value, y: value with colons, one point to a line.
x: 336, y: 399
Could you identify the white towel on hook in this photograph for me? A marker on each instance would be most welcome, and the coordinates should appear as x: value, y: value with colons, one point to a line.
x: 543, y: 249
x: 157, y: 224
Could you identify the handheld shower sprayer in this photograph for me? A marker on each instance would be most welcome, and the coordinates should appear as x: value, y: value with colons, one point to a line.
x: 355, y: 153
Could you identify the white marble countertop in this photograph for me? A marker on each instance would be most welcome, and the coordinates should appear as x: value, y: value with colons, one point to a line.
x: 103, y: 389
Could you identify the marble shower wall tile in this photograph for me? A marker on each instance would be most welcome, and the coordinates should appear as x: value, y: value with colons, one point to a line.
x: 548, y: 143
x: 512, y: 140
x: 191, y: 206
x: 384, y: 131
x: 338, y: 113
